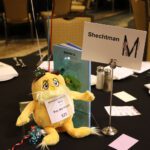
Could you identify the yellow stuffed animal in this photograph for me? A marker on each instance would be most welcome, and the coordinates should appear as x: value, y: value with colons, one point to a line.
x: 47, y: 87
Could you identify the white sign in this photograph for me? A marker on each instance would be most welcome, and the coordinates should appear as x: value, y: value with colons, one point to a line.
x: 101, y: 43
x: 59, y: 108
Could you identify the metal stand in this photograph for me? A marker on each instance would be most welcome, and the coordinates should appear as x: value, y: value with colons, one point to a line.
x: 109, y: 130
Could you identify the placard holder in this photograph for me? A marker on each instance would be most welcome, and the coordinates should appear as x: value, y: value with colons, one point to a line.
x: 109, y: 130
x: 26, y: 127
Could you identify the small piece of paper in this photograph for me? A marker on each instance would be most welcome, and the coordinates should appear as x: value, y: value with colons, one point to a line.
x: 123, y: 142
x: 124, y: 96
x: 59, y: 108
x: 122, y: 111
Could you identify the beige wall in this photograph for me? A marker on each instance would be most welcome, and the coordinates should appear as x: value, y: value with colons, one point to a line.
x: 139, y: 14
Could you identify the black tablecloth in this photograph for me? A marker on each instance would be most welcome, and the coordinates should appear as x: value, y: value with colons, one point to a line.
x: 19, y: 89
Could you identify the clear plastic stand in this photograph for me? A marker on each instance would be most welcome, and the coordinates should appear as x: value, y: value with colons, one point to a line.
x: 109, y: 130
x: 25, y: 128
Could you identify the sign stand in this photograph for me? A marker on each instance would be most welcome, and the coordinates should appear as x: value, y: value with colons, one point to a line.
x: 109, y: 130
x: 126, y: 46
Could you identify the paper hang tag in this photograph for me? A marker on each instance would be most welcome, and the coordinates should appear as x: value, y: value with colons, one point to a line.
x: 59, y: 108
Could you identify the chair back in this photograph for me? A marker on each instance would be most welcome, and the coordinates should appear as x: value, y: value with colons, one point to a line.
x: 140, y: 14
x: 68, y: 30
x: 62, y: 7
x: 16, y: 11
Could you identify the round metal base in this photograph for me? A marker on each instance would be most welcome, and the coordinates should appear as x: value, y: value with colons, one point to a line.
x: 109, y: 131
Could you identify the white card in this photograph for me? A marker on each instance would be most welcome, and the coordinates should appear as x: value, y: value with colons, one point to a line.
x: 59, y: 108
x: 101, y: 43
x: 124, y: 96
x: 122, y: 111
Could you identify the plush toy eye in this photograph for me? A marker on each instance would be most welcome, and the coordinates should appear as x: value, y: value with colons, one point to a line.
x: 45, y: 85
x: 56, y: 82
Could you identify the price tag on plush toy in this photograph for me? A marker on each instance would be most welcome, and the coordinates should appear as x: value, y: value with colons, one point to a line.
x: 59, y: 108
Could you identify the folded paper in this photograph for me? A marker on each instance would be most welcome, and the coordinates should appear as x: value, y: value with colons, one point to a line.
x: 7, y: 72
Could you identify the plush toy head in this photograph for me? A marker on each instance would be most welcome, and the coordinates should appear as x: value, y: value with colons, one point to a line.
x: 48, y: 86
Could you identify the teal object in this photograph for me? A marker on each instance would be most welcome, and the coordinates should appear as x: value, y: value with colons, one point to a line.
x: 76, y: 72
x: 35, y: 135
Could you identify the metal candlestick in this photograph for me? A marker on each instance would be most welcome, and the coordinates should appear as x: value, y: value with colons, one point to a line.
x: 109, y: 130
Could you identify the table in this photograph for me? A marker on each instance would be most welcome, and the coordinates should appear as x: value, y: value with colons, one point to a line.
x: 18, y: 89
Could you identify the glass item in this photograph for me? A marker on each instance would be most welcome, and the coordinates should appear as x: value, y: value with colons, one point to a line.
x: 76, y: 72
x: 100, y: 77
x: 107, y: 80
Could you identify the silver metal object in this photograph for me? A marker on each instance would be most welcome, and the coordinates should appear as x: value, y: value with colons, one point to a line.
x: 109, y: 130
x: 17, y: 62
x: 100, y: 77
x: 22, y: 63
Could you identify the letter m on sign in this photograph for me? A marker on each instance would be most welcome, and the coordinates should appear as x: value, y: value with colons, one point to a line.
x: 126, y: 51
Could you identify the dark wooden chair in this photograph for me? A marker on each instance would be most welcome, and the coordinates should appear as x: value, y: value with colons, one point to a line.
x: 16, y: 12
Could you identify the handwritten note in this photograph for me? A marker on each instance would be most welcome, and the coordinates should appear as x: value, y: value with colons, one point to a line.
x: 59, y: 108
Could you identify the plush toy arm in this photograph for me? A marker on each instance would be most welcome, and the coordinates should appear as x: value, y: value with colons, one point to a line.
x: 24, y: 116
x: 86, y: 96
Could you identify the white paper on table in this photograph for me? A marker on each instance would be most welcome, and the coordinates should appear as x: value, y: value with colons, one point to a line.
x: 123, y: 142
x: 144, y: 67
x: 122, y: 111
x: 124, y: 96
x: 7, y: 72
x: 121, y: 73
x: 147, y: 85
x: 93, y: 79
x: 44, y: 65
